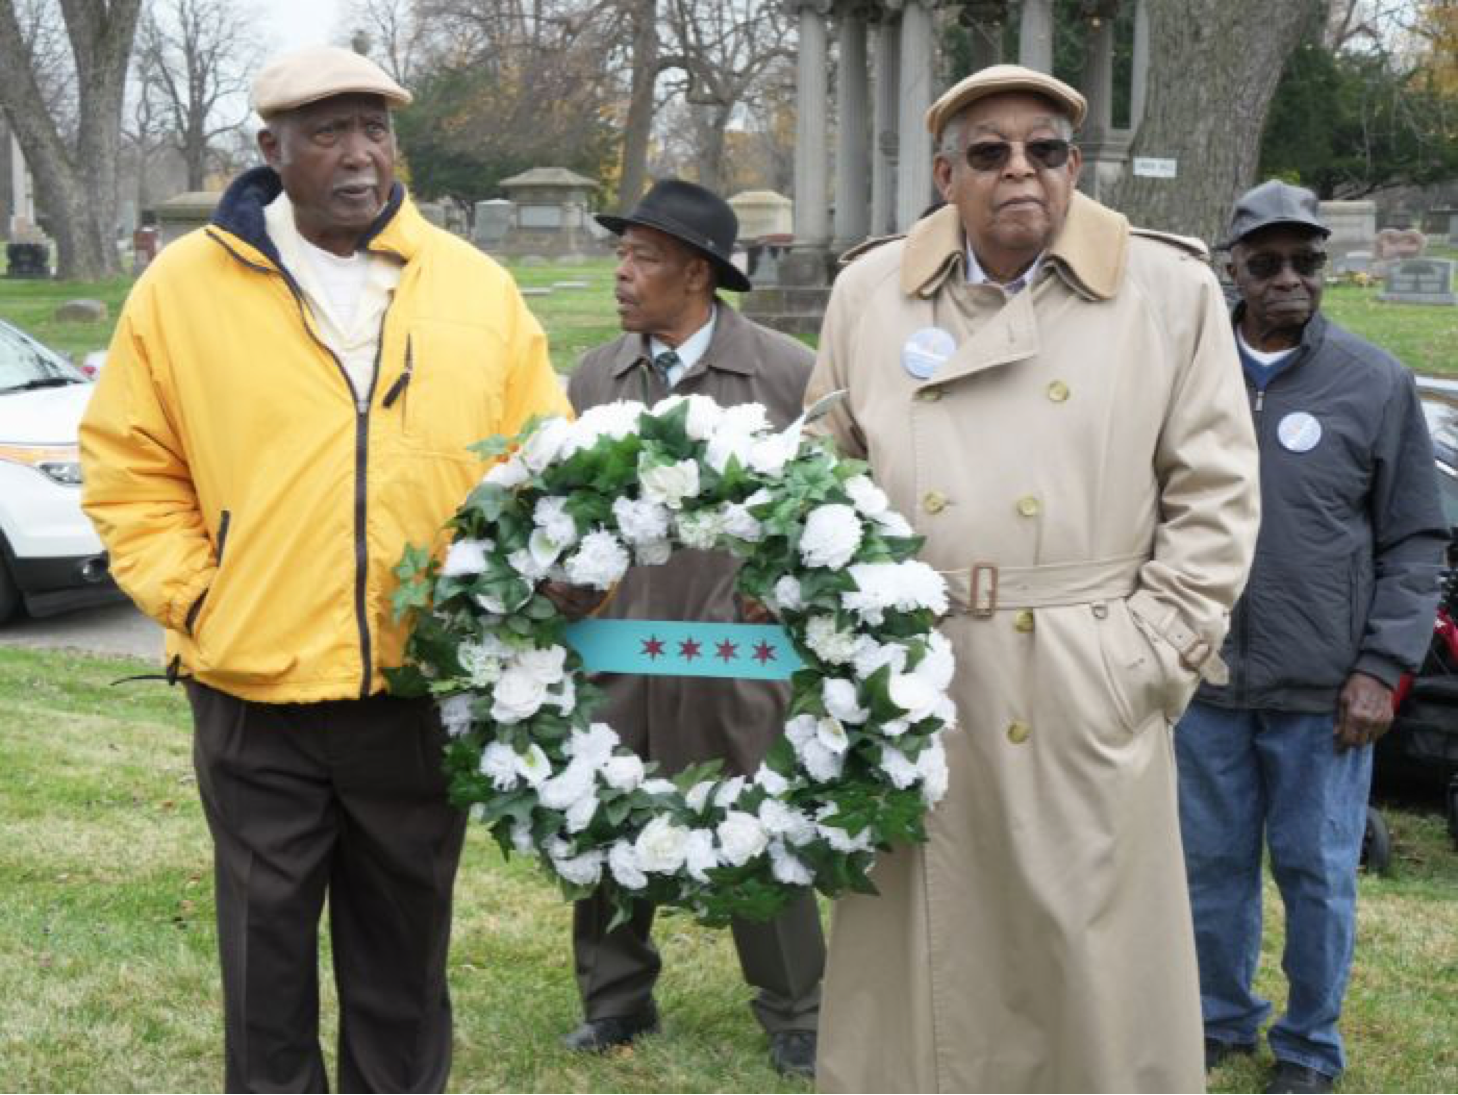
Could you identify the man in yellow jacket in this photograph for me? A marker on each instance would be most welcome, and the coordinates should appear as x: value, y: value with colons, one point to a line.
x: 287, y: 403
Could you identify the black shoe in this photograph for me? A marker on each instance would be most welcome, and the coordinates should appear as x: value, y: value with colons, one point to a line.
x: 1218, y: 1051
x: 597, y: 1035
x: 792, y: 1052
x: 1299, y: 1080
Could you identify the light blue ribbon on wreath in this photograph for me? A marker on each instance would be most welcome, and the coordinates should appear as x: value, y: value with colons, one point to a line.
x: 684, y: 648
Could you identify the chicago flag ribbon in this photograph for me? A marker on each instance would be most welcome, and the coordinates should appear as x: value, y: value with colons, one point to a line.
x: 684, y: 648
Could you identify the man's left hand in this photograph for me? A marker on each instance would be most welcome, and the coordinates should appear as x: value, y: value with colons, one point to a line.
x: 1364, y: 712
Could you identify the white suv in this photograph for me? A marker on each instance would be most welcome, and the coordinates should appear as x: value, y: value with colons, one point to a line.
x: 50, y: 557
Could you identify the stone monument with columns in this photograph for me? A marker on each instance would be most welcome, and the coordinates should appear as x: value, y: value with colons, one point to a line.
x: 887, y: 75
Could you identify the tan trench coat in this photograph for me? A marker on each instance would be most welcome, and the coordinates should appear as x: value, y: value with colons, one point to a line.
x: 1089, y: 445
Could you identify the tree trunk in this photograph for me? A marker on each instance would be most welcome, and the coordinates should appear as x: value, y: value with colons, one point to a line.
x: 639, y: 123
x: 1214, y: 65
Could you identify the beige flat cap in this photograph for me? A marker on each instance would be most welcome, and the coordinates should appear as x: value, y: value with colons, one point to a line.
x: 308, y: 75
x: 997, y: 79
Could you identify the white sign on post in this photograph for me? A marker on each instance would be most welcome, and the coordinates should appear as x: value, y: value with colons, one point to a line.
x: 1152, y: 167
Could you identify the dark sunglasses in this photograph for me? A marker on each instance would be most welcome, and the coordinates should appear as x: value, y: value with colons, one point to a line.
x: 1048, y: 152
x: 1268, y: 265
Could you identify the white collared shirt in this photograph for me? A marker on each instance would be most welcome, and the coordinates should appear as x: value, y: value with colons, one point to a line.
x: 346, y: 296
x: 978, y: 276
x: 689, y: 351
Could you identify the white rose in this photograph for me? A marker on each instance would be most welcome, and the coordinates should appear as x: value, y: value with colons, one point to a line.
x: 770, y: 780
x: 498, y: 764
x: 868, y: 498
x: 787, y: 594
x: 640, y: 520
x: 736, y: 520
x: 594, y: 745
x: 741, y: 837
x: 581, y: 870
x: 614, y: 420
x: 703, y: 414
x: 533, y: 765
x: 661, y: 846
x: 600, y: 561
x: 841, y: 701
x: 770, y: 454
x: 652, y: 553
x: 698, y: 795
x: 466, y: 557
x: 623, y: 772
x: 829, y: 642
x: 729, y: 792
x: 788, y: 868
x: 525, y: 563
x: 699, y: 855
x: 546, y: 664
x: 551, y: 517
x: 726, y: 445
x: 565, y: 698
x: 893, y: 524
x: 623, y: 862
x: 830, y: 732
x: 781, y: 820
x: 580, y: 813
x: 931, y: 762
x: 832, y: 534
x: 669, y: 484
x: 913, y: 694
x: 455, y: 714
x: 871, y: 656
x: 823, y: 764
x: 699, y: 530
x: 517, y: 696
x: 838, y: 838
x: 937, y: 662
x: 545, y: 442
x: 744, y: 418
x: 659, y: 786
x: 901, y: 771
x: 567, y: 786
x: 507, y: 473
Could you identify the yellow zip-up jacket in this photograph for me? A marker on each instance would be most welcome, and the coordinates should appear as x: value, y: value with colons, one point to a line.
x: 249, y: 504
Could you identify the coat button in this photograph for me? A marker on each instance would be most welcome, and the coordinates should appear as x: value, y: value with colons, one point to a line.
x: 934, y: 501
x: 1029, y: 506
x: 1023, y: 621
x: 929, y: 395
x: 1058, y: 391
x: 1100, y: 610
x: 1018, y: 732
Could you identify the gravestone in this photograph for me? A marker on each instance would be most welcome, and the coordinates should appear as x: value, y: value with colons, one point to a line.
x: 1353, y: 227
x: 762, y: 213
x: 549, y: 215
x: 493, y: 219
x: 182, y: 213
x: 434, y: 212
x: 27, y: 260
x: 1354, y: 262
x: 81, y: 310
x: 1420, y: 281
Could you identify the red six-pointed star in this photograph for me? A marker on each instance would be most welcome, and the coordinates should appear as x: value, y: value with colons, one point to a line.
x: 653, y: 647
x: 726, y: 650
x: 689, y: 649
x: 763, y: 652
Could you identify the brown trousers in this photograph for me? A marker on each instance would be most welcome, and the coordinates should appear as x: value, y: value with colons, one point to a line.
x: 345, y: 799
x: 782, y: 958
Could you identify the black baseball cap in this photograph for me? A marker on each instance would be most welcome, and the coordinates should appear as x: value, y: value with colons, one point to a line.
x: 1275, y: 202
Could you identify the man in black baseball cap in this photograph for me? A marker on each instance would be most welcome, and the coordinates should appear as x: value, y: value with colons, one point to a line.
x: 1339, y: 604
x: 673, y: 256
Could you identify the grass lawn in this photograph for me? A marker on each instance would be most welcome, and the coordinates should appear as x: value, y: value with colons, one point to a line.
x: 108, y: 978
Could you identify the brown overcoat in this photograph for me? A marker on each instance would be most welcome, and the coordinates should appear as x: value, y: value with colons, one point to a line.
x: 1084, y: 471
x: 679, y: 721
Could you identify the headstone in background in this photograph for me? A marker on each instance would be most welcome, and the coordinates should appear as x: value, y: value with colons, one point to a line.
x: 1353, y: 227
x: 762, y: 213
x: 181, y: 213
x: 1354, y: 262
x: 493, y: 219
x: 27, y: 260
x: 434, y: 212
x: 550, y: 213
x: 1420, y: 281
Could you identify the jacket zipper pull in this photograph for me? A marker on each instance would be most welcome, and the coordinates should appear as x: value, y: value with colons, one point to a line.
x: 397, y: 389
x: 1260, y: 398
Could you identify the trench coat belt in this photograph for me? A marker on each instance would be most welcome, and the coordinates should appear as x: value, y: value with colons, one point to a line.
x: 985, y: 589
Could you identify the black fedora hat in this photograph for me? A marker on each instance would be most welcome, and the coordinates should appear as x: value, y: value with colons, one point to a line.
x: 692, y: 215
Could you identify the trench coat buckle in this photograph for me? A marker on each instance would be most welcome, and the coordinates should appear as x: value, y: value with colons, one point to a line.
x: 1195, y: 653
x: 982, y: 600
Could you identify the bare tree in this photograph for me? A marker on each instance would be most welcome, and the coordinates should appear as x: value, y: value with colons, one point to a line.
x: 723, y: 48
x: 1214, y: 65
x: 75, y: 177
x: 196, y: 58
x: 644, y: 68
x: 397, y: 38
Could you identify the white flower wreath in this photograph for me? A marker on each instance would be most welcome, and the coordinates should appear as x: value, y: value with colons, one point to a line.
x: 861, y: 757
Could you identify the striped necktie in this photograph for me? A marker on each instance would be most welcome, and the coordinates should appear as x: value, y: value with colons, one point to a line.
x: 665, y: 363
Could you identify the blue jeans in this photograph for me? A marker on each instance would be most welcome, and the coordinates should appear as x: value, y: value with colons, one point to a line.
x: 1249, y: 775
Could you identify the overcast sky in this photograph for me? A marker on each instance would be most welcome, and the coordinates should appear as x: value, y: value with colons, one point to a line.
x: 293, y: 24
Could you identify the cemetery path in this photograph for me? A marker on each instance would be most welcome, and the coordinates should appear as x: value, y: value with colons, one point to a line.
x: 113, y: 629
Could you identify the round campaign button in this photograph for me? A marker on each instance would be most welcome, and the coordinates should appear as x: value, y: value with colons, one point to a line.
x: 926, y: 351
x: 1299, y: 432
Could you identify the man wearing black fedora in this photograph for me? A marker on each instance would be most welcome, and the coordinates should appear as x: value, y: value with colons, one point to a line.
x: 673, y: 257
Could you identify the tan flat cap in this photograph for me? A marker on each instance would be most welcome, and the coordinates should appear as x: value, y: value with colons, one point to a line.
x: 308, y: 75
x: 997, y: 79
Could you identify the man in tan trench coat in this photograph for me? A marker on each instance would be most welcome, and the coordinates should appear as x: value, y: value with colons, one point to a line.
x: 1055, y: 399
